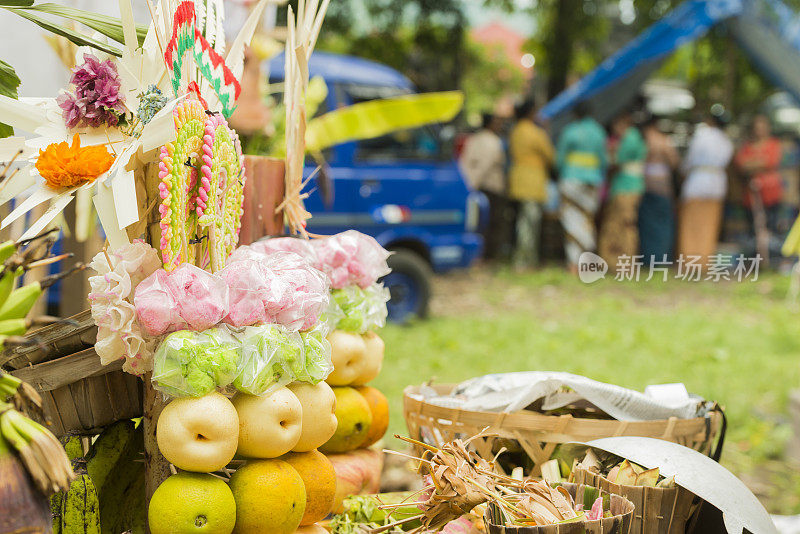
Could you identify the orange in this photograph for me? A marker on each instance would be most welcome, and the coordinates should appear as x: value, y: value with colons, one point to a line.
x: 270, y: 497
x: 189, y: 503
x: 319, y: 479
x: 379, y: 407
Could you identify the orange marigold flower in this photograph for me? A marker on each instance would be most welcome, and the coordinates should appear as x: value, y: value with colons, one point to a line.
x: 62, y: 165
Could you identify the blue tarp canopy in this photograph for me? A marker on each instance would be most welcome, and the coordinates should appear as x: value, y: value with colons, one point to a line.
x: 767, y: 30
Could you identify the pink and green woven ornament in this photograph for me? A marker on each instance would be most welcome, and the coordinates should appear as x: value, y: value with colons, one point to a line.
x: 201, y: 189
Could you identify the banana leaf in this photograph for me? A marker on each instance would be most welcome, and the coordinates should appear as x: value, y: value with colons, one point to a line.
x: 78, y: 38
x: 380, y: 117
x: 9, y: 82
x: 111, y: 27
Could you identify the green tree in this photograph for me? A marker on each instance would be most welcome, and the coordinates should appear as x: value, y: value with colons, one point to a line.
x: 424, y: 39
x: 488, y: 77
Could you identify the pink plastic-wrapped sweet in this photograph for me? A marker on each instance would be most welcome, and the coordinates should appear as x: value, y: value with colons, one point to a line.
x: 301, y: 247
x: 187, y: 298
x: 247, y: 283
x: 279, y: 287
x: 351, y: 258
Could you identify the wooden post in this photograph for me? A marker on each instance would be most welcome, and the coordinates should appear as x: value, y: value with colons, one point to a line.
x: 263, y: 192
x: 156, y: 467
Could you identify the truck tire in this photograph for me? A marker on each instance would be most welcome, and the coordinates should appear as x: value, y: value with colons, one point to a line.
x: 409, y: 284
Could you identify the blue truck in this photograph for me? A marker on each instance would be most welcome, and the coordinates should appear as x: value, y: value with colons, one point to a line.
x: 404, y: 189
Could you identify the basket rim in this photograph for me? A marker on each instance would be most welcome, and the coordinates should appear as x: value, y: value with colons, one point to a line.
x: 524, y: 420
x: 53, y: 374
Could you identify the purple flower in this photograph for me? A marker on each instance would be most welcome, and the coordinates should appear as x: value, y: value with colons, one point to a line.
x: 97, y: 99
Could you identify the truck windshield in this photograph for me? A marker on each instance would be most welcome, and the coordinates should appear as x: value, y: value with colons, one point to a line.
x: 428, y: 143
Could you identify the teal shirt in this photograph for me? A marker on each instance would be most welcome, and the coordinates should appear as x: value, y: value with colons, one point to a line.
x: 581, y: 152
x: 631, y: 154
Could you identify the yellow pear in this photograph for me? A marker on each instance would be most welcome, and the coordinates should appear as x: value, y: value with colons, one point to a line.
x: 349, y: 357
x: 373, y: 359
x: 319, y: 414
x: 269, y: 425
x: 198, y: 433
x: 354, y: 416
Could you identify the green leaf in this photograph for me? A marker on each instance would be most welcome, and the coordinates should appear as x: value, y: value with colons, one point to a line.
x: 9, y: 82
x: 111, y: 27
x: 380, y: 117
x: 16, y: 3
x: 78, y: 38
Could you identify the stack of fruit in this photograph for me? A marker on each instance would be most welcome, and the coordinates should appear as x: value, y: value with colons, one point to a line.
x: 362, y: 412
x: 284, y: 482
x: 354, y: 262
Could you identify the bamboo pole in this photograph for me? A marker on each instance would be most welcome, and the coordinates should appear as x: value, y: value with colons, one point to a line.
x: 156, y: 467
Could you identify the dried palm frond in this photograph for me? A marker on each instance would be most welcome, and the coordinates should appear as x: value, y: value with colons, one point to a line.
x: 458, y: 481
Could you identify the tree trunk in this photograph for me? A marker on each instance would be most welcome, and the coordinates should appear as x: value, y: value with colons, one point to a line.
x: 560, y: 45
x: 731, y: 78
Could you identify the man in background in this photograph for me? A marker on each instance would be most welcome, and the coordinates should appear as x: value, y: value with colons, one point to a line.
x: 532, y: 157
x: 483, y: 162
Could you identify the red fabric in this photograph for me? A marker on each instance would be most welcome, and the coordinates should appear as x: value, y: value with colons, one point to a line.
x: 760, y: 161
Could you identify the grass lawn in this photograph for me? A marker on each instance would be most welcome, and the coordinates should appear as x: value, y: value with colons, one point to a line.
x: 736, y: 343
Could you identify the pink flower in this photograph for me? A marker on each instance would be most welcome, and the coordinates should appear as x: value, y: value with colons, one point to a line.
x: 597, y: 510
x: 97, y: 99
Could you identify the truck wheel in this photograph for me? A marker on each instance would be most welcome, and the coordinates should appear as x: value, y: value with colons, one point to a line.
x: 409, y: 284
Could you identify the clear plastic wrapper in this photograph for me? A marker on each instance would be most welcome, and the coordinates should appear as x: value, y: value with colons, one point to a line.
x: 301, y: 247
x: 187, y: 298
x: 255, y: 359
x: 281, y: 288
x: 194, y: 364
x: 360, y: 310
x: 317, y: 351
x: 268, y: 353
x: 351, y: 258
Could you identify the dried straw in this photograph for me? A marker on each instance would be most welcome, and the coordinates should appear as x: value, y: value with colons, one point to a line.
x: 303, y: 33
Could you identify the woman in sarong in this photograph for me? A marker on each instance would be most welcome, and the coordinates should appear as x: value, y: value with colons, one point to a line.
x: 581, y: 163
x: 620, y: 228
x: 657, y: 210
x: 703, y: 192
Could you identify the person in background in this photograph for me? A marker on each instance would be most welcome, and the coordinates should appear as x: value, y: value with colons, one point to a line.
x: 656, y: 211
x: 532, y: 156
x: 581, y: 163
x: 759, y: 160
x: 703, y: 191
x: 483, y: 162
x: 619, y: 234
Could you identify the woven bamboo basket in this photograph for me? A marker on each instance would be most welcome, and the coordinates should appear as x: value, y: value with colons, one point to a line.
x: 538, y: 435
x: 619, y: 523
x: 79, y: 394
x: 656, y: 510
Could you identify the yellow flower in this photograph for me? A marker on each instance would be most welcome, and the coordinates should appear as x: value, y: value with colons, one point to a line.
x: 62, y: 165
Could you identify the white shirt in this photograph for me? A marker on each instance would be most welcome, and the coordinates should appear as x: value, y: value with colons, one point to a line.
x: 710, y: 152
x: 483, y: 161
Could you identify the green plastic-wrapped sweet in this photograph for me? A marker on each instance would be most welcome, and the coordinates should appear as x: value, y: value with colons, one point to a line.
x: 317, y: 351
x: 195, y: 363
x: 263, y: 350
x: 360, y: 310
